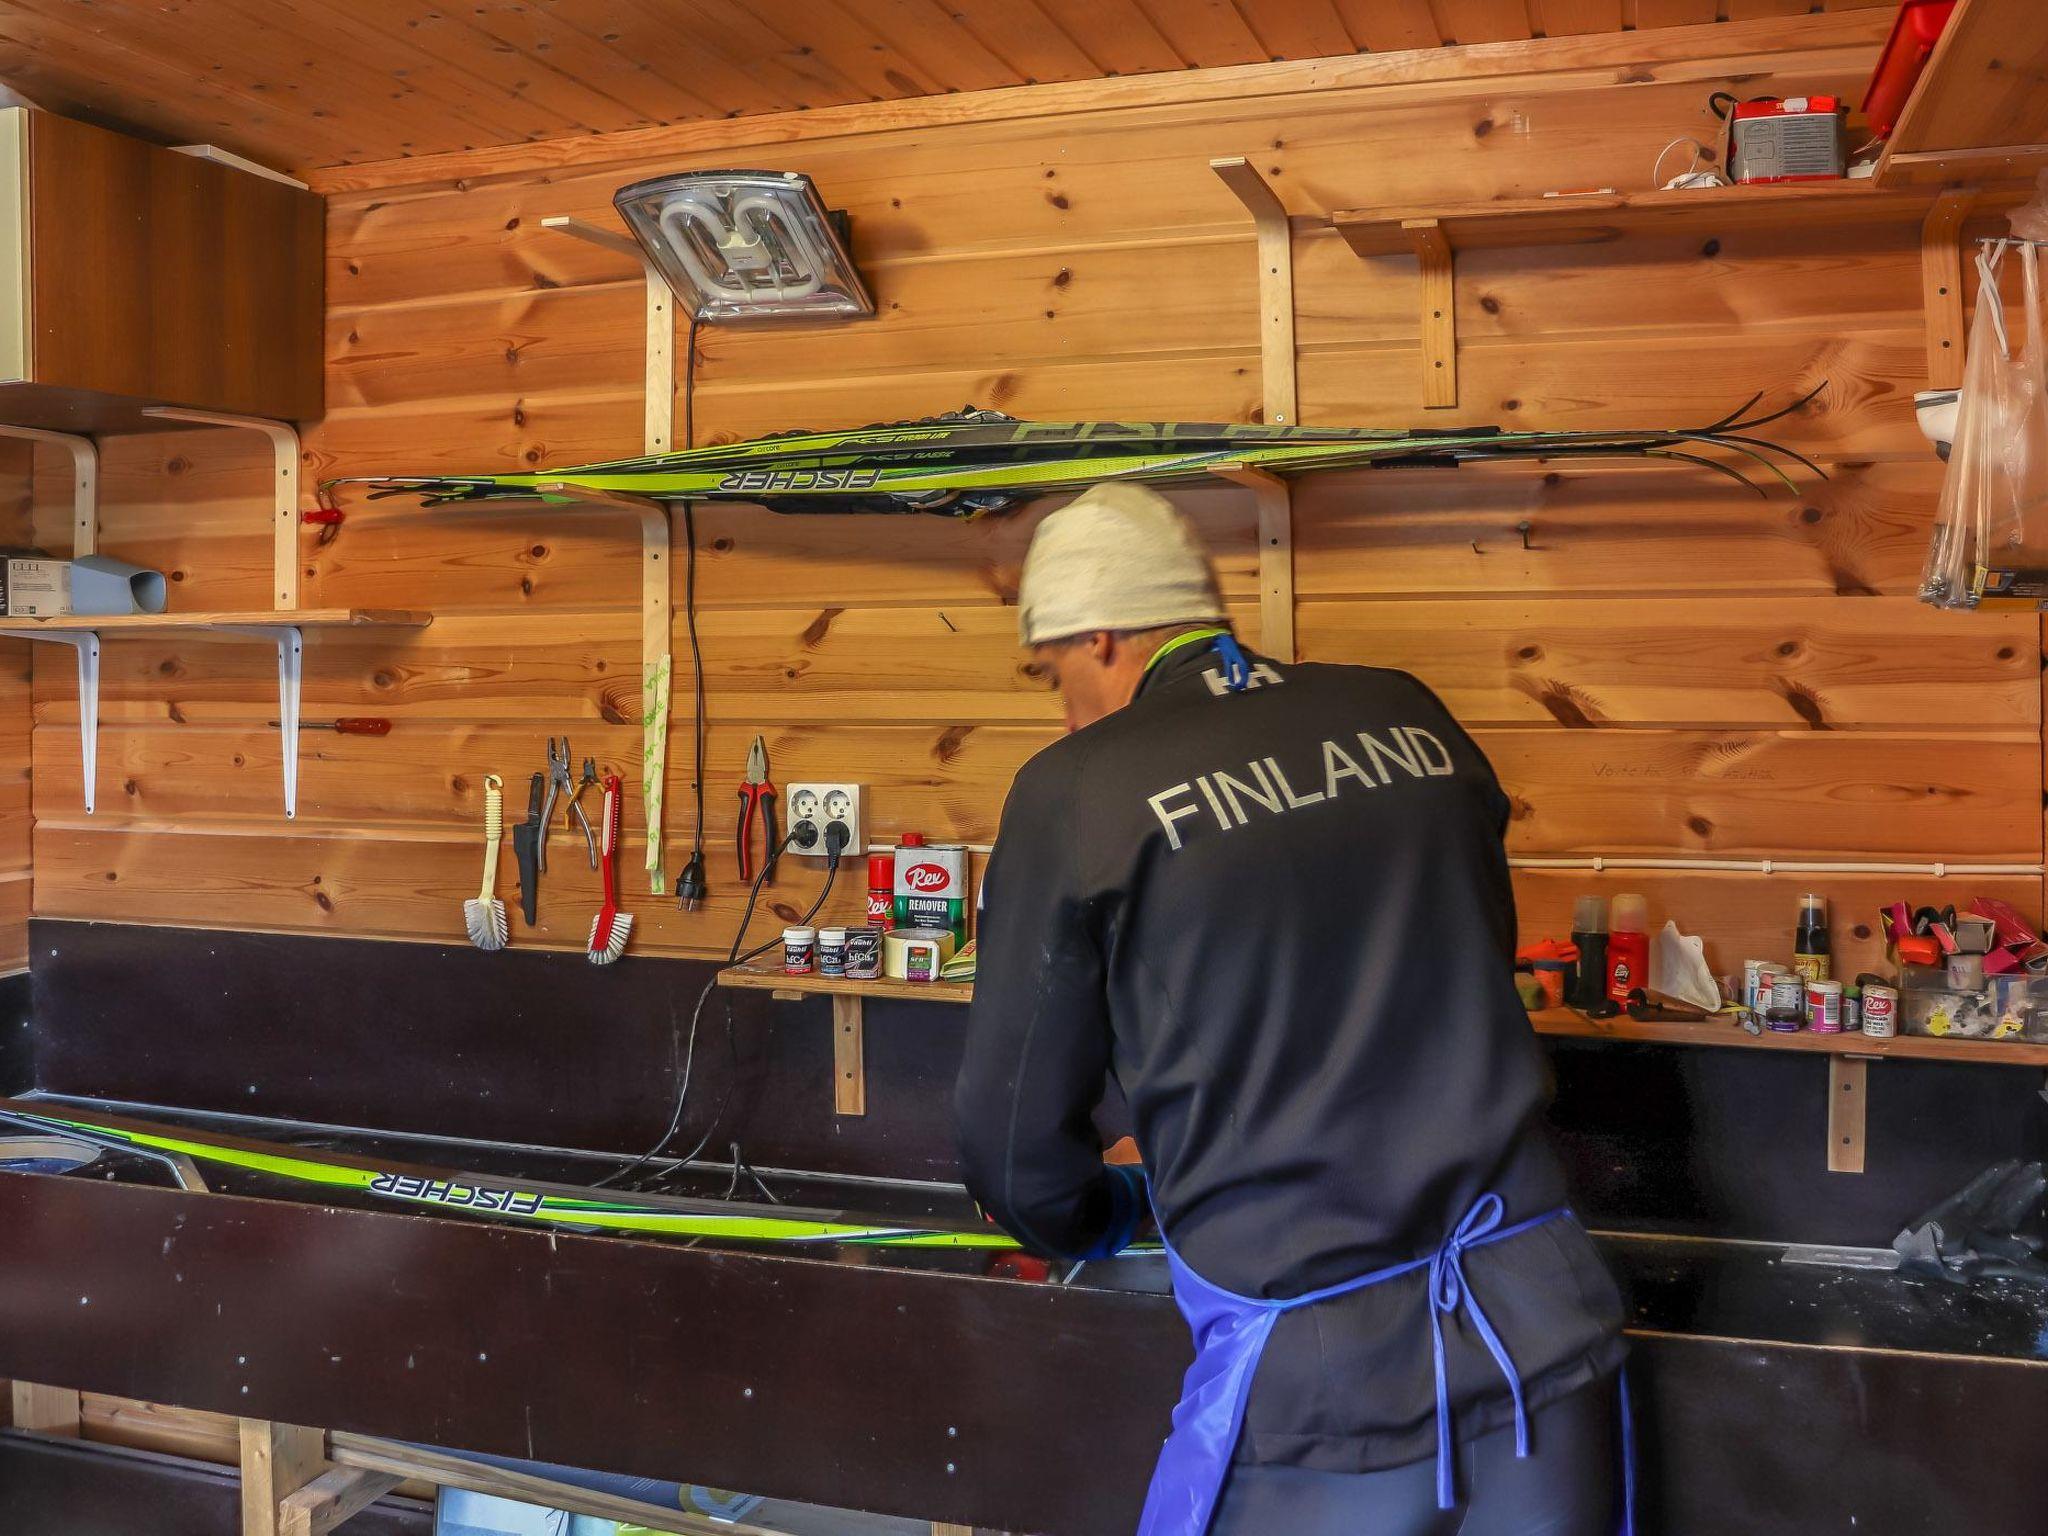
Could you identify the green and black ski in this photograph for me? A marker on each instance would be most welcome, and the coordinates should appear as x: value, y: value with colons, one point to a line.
x: 975, y: 461
x: 572, y: 1206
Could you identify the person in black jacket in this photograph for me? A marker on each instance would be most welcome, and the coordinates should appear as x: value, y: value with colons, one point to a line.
x: 1272, y: 900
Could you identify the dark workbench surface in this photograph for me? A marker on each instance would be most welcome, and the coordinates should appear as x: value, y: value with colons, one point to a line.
x: 1696, y: 1287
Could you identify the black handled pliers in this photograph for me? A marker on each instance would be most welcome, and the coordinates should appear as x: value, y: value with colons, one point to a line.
x: 757, y: 794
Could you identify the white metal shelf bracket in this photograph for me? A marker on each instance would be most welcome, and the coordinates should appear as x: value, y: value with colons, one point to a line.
x: 1276, y: 353
x: 87, y: 644
x: 656, y: 535
x: 85, y: 482
x: 284, y: 486
x: 291, y: 671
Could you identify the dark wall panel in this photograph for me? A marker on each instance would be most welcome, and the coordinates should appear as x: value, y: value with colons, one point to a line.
x: 17, y: 1044
x: 524, y: 1046
x: 1733, y: 1143
x: 54, y: 1487
x: 541, y: 1047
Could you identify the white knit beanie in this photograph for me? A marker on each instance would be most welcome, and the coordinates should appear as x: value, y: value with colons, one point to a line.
x: 1116, y: 557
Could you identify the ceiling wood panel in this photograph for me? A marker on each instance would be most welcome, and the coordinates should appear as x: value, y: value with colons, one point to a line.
x: 302, y: 84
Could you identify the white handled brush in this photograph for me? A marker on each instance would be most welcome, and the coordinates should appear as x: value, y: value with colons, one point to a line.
x: 609, y: 928
x: 484, y: 914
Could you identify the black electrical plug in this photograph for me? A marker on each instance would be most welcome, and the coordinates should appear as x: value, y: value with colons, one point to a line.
x: 690, y: 884
x: 836, y: 837
x: 804, y: 835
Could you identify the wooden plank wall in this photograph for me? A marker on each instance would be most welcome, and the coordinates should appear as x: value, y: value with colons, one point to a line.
x: 1660, y: 663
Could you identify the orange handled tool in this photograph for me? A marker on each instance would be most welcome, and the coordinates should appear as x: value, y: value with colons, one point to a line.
x: 757, y: 794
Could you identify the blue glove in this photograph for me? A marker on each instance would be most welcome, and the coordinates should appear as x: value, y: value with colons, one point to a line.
x: 1129, y: 1201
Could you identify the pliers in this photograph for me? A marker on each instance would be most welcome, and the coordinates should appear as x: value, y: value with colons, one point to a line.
x: 756, y: 793
x: 558, y: 781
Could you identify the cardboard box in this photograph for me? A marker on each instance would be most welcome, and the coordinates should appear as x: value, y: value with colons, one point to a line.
x: 34, y: 587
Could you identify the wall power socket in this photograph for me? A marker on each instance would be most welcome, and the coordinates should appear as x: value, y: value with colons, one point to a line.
x: 822, y: 806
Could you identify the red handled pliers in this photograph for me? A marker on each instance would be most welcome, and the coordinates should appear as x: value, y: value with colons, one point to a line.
x: 756, y: 793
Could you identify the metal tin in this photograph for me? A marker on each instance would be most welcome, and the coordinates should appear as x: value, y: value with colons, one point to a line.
x: 1751, y: 970
x: 863, y: 954
x: 1852, y: 1010
x: 1824, y: 1007
x: 1786, y: 1007
x: 831, y: 951
x: 1880, y: 1011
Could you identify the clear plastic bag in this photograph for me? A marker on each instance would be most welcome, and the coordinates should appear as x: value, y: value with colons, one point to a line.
x: 1990, y: 543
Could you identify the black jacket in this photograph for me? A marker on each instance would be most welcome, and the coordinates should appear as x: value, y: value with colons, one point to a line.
x: 1282, y: 919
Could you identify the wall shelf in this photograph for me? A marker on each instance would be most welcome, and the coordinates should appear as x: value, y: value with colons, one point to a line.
x: 849, y: 1072
x: 1434, y: 236
x: 1848, y: 1055
x: 1601, y: 216
x: 280, y: 627
x: 1566, y: 1023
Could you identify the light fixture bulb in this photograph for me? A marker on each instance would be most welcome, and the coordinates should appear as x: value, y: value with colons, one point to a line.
x: 743, y: 245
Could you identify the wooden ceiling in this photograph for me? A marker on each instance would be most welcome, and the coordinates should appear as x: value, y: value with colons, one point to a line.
x: 305, y: 83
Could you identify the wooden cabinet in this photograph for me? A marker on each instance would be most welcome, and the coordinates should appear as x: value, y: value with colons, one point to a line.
x: 131, y: 275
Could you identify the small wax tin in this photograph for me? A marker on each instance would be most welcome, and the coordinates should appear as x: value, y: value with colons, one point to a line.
x: 831, y: 951
x: 799, y: 951
x: 863, y: 954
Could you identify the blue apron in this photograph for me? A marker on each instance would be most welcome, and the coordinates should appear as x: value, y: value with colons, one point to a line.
x: 1230, y: 1335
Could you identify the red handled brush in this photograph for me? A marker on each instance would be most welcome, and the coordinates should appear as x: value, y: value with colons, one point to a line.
x: 609, y: 928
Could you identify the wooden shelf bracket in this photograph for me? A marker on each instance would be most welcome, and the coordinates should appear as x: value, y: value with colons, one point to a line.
x: 85, y: 482
x: 656, y: 534
x: 1281, y: 407
x: 1436, y: 268
x: 1276, y: 555
x: 284, y: 489
x: 1941, y: 286
x: 87, y: 645
x: 1848, y: 1098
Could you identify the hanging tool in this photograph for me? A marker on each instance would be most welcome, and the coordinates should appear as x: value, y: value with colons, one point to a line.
x: 756, y: 793
x: 351, y: 725
x: 526, y: 849
x: 609, y: 928
x: 558, y: 781
x: 588, y: 781
x: 483, y: 914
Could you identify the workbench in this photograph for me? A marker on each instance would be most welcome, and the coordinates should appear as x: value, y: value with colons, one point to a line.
x: 913, y: 1384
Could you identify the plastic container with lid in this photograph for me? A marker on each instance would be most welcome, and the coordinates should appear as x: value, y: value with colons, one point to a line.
x: 799, y: 951
x: 1588, y: 984
x: 1628, y: 946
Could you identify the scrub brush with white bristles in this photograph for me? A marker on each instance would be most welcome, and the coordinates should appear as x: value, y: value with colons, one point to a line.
x: 609, y: 928
x: 484, y: 914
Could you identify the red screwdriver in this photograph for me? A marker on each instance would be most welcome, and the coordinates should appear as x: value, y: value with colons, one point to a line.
x: 351, y: 725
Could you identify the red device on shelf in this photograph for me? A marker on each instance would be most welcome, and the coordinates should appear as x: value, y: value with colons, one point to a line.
x: 1914, y: 33
x: 1797, y: 138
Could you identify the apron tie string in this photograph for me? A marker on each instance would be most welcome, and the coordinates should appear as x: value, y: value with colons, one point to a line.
x: 1448, y: 1290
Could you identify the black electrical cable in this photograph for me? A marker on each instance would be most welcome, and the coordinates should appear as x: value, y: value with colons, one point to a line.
x: 733, y: 957
x: 690, y: 885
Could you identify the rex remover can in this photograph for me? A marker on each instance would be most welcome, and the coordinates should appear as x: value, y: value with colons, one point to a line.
x: 931, y: 887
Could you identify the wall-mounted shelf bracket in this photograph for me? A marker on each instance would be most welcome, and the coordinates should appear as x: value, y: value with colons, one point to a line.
x: 1436, y: 267
x: 85, y: 482
x: 1281, y: 408
x: 291, y: 665
x: 657, y: 436
x: 1276, y: 284
x: 1276, y: 554
x: 1941, y: 286
x: 284, y: 489
x: 1848, y: 1099
x: 87, y: 645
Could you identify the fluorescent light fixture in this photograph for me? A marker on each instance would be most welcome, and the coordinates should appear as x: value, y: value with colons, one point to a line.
x: 745, y: 245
